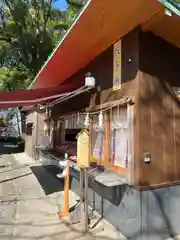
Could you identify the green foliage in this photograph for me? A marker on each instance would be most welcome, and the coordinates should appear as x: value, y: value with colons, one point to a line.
x: 13, y: 79
x: 2, y: 123
x: 29, y: 30
x: 5, y: 120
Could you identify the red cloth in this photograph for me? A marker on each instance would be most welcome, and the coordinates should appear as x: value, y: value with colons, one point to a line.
x: 33, y: 96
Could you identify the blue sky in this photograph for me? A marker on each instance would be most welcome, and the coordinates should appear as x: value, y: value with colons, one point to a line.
x: 60, y: 4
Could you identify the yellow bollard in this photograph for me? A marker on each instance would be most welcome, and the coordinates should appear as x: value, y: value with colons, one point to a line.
x: 65, y: 211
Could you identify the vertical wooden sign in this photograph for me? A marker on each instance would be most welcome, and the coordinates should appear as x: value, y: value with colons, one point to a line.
x: 83, y: 149
x: 117, y: 70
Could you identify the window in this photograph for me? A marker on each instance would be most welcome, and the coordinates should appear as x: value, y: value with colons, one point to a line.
x: 23, y: 124
x: 71, y: 135
x: 67, y: 128
x: 119, y: 137
x: 29, y: 128
x: 97, y: 139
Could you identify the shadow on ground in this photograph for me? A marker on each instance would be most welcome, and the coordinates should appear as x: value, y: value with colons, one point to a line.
x: 46, y: 176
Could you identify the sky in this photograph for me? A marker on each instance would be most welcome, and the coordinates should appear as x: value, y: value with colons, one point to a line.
x: 60, y: 4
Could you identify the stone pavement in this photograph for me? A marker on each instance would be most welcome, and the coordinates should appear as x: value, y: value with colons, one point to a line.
x: 30, y: 198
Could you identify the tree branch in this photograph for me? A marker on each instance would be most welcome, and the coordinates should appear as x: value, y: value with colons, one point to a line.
x: 7, y: 40
x: 9, y: 6
x: 47, y: 15
x: 37, y: 19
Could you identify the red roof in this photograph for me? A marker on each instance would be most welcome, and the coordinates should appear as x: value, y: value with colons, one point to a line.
x: 100, y: 24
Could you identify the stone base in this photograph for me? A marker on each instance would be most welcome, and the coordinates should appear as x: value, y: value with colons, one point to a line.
x: 153, y: 214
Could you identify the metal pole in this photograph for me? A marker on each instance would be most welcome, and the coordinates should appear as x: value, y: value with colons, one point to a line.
x: 35, y: 138
x: 81, y: 190
x: 86, y: 214
x: 94, y: 199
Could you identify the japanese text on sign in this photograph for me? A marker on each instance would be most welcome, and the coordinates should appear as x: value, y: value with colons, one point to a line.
x: 117, y: 65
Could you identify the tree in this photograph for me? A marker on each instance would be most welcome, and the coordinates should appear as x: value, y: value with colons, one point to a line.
x: 74, y: 7
x: 5, y: 120
x: 29, y: 30
x: 2, y: 124
x: 12, y: 79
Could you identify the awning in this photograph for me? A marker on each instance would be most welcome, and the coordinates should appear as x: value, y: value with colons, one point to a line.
x: 34, y: 96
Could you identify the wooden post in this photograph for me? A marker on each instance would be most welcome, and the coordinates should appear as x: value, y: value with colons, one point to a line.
x: 81, y: 190
x: 107, y: 140
x: 35, y: 139
x: 65, y: 211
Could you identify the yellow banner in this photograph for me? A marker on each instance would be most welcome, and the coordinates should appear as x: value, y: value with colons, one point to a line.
x: 117, y: 65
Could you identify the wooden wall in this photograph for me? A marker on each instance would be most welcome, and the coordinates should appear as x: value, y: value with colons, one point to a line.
x: 102, y: 69
x: 37, y: 137
x: 29, y: 138
x: 157, y: 112
x: 41, y: 139
x: 148, y: 79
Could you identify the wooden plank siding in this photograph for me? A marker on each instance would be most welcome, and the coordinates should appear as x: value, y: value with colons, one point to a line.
x: 158, y: 112
x: 150, y: 68
x: 29, y: 138
x: 102, y: 69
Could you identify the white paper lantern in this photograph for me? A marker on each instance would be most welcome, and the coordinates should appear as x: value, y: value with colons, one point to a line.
x: 90, y: 81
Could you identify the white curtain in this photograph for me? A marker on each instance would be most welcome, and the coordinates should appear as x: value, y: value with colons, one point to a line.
x: 119, y: 137
x: 98, y: 144
x: 97, y: 139
x: 74, y: 121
